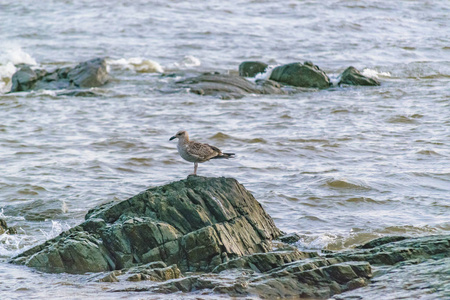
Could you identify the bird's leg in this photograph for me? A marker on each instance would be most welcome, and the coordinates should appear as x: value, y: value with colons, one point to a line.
x: 195, y: 168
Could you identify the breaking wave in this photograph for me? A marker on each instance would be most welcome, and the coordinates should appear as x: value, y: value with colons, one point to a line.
x: 10, y: 56
x: 140, y: 65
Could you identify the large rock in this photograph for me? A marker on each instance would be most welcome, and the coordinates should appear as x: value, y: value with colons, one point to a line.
x: 229, y: 86
x: 197, y: 223
x: 352, y: 76
x: 92, y: 73
x: 305, y: 75
x: 295, y: 274
x: 251, y: 68
x: 215, y: 228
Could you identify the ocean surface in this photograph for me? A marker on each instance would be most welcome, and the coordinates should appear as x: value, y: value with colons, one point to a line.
x: 339, y: 166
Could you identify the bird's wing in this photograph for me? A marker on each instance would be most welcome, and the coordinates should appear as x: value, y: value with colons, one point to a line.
x: 203, y: 151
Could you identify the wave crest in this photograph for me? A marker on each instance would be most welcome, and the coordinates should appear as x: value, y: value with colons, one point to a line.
x: 346, y: 184
x: 140, y: 65
x: 375, y: 74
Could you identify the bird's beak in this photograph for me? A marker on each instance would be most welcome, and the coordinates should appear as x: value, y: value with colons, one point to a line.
x: 172, y: 138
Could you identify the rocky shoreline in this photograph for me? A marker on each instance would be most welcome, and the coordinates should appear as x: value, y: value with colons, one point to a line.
x: 211, y: 234
x: 284, y: 79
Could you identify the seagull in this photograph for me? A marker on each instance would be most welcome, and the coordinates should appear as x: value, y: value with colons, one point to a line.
x: 197, y: 152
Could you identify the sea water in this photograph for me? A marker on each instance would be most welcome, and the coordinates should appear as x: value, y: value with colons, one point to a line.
x: 339, y: 166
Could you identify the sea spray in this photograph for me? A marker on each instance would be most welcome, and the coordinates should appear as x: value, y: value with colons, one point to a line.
x: 11, y: 56
x: 138, y: 64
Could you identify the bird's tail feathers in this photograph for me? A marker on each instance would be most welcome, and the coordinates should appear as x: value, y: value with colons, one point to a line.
x: 224, y: 155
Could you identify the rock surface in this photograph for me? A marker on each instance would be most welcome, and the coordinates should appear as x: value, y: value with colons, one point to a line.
x: 197, y: 223
x: 292, y: 273
x: 251, y: 68
x: 91, y: 73
x: 352, y: 76
x: 211, y: 234
x: 3, y: 226
x: 390, y: 251
x: 229, y: 86
x: 275, y: 275
x: 5, y: 229
x: 155, y: 271
x: 305, y: 75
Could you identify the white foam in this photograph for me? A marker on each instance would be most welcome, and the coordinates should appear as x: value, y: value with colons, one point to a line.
x: 6, y: 73
x: 266, y: 74
x: 317, y: 242
x: 187, y: 62
x: 137, y: 64
x: 57, y: 228
x: 12, y: 244
x: 64, y: 207
x: 11, y: 55
x: 45, y: 93
x: 190, y: 61
x: 263, y: 75
x: 12, y: 218
x: 9, y: 244
x: 14, y: 54
x: 374, y: 73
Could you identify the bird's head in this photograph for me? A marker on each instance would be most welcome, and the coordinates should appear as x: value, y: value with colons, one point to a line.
x: 182, y: 134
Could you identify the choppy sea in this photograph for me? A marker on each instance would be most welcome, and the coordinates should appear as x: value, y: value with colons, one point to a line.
x: 339, y: 166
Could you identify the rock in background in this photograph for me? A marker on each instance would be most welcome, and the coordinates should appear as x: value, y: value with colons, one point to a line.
x: 251, y: 68
x: 91, y: 73
x: 351, y: 76
x: 305, y: 75
x: 229, y: 86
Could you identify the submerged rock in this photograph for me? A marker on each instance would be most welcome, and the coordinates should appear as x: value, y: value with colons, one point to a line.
x: 38, y: 210
x: 91, y: 73
x: 352, y: 76
x: 229, y: 86
x: 251, y: 68
x: 194, y: 223
x: 305, y: 75
x: 381, y: 241
x: 290, y: 238
x: 384, y: 252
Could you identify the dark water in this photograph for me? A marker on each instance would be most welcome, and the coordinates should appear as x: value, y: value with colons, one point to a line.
x: 338, y: 166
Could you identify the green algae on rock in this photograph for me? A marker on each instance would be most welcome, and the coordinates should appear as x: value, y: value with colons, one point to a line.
x: 251, y: 68
x: 211, y: 233
x: 195, y: 223
x: 305, y: 75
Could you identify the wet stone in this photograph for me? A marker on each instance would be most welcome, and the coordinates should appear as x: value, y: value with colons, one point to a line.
x: 351, y: 76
